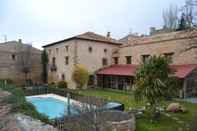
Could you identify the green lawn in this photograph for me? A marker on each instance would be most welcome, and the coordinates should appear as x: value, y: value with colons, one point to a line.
x: 144, y: 123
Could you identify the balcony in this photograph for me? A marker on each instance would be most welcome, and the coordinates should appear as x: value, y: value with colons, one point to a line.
x: 53, y: 67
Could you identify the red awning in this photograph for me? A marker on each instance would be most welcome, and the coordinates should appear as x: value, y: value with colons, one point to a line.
x: 181, y: 71
x: 121, y: 70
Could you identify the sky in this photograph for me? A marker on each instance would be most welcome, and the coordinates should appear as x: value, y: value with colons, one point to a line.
x: 41, y: 22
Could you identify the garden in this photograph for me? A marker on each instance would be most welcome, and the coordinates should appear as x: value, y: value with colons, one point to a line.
x: 149, y: 100
x: 167, y: 122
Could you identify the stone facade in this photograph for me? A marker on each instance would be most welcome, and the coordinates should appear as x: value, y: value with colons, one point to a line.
x: 10, y: 67
x: 89, y: 53
x: 175, y: 45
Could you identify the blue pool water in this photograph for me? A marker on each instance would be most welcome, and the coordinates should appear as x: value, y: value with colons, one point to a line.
x: 51, y: 107
x: 55, y: 108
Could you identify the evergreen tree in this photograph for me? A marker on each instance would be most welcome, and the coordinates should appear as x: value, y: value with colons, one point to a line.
x: 44, y: 66
x: 182, y: 23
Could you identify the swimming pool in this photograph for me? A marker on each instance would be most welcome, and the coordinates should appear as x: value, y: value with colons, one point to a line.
x: 55, y: 106
x: 52, y: 105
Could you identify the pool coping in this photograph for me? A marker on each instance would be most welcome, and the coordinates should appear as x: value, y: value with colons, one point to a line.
x: 58, y: 97
x: 73, y: 102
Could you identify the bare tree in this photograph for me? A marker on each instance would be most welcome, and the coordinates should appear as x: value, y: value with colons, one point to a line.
x: 170, y: 18
x: 190, y: 12
x: 24, y: 59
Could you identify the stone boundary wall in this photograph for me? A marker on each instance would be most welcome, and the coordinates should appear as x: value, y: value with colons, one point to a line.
x: 125, y: 125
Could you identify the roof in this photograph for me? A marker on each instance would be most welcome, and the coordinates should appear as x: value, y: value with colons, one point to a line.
x: 13, y: 46
x: 130, y: 37
x: 122, y: 70
x: 181, y: 71
x: 158, y: 38
x: 91, y: 36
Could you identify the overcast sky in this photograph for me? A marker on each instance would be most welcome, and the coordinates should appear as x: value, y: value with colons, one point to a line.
x: 43, y: 21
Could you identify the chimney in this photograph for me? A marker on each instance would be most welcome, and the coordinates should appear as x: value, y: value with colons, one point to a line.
x: 108, y: 34
x: 20, y: 41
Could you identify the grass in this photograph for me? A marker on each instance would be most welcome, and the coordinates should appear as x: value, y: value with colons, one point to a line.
x: 143, y: 123
x: 113, y: 95
x: 19, y: 104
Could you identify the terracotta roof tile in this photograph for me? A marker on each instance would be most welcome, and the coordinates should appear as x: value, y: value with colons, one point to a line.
x: 90, y: 36
x: 97, y: 37
x: 181, y: 71
x: 122, y: 70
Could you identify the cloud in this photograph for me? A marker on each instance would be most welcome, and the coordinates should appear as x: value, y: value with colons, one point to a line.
x: 45, y: 21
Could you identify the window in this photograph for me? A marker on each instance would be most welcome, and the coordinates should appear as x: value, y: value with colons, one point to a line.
x: 53, y: 61
x: 128, y: 59
x: 57, y: 50
x: 116, y: 60
x: 105, y: 50
x: 104, y: 61
x: 67, y: 60
x: 63, y: 77
x: 169, y: 56
x: 53, y: 66
x: 90, y: 49
x: 145, y: 58
x: 67, y: 47
x: 49, y: 51
x: 13, y: 57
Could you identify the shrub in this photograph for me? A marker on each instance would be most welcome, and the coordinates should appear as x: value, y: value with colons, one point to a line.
x: 20, y: 105
x: 80, y: 76
x: 9, y: 81
x: 62, y: 84
x: 44, y: 66
x: 52, y: 84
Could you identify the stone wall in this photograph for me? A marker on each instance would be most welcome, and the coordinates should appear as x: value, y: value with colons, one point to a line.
x: 177, y: 43
x: 78, y: 53
x: 174, y: 42
x: 119, y: 121
x: 10, y: 67
x: 18, y: 122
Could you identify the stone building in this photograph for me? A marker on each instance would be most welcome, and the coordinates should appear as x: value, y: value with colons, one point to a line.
x: 13, y: 60
x: 115, y: 61
x: 89, y: 49
x: 176, y: 46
